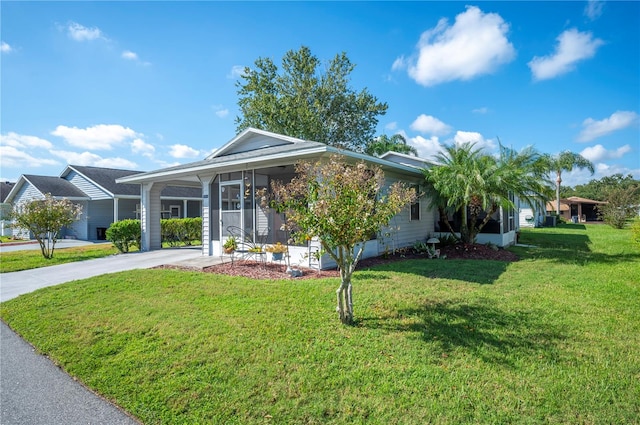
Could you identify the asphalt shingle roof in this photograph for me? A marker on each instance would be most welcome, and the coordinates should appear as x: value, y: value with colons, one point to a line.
x: 5, y: 188
x: 55, y: 186
x: 106, y: 178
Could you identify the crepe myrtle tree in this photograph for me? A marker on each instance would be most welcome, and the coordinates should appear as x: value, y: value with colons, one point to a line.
x: 44, y: 218
x: 342, y: 204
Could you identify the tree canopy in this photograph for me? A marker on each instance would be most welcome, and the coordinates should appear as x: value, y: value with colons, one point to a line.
x: 45, y: 218
x: 383, y: 144
x: 342, y: 205
x: 473, y: 182
x: 599, y: 189
x: 303, y: 99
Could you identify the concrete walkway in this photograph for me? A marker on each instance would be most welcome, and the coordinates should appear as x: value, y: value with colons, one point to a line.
x: 32, y: 389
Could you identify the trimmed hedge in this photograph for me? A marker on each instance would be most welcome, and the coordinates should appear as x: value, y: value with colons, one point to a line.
x: 181, y: 231
x: 124, y: 234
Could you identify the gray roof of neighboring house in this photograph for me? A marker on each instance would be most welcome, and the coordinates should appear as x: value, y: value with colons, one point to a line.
x: 106, y: 178
x: 55, y: 186
x: 5, y: 188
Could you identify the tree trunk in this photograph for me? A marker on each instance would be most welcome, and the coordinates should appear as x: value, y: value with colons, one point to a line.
x: 558, y: 182
x: 446, y: 221
x: 345, y: 301
x: 464, y: 226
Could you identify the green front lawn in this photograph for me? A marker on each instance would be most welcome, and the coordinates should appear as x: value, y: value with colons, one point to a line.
x: 553, y: 338
x: 31, y: 259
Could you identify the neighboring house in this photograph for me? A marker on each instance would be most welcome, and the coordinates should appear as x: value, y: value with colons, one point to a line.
x: 531, y: 216
x: 231, y: 178
x: 103, y: 200
x: 5, y: 209
x: 576, y: 209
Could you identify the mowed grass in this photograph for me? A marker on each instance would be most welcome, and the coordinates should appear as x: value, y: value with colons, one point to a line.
x: 553, y: 338
x: 32, y: 259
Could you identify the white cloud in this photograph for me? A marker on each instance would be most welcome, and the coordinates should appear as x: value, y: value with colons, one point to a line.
x: 13, y: 157
x: 82, y: 33
x: 91, y: 159
x: 482, y: 111
x: 16, y: 151
x: 593, y: 9
x: 23, y: 141
x: 593, y: 129
x: 582, y: 176
x: 139, y: 146
x: 236, y: 72
x: 427, y: 148
x: 129, y: 55
x: 132, y: 56
x: 474, y: 45
x: 98, y: 137
x: 573, y: 46
x: 183, y: 151
x: 391, y: 126
x: 5, y: 48
x: 426, y: 124
x: 477, y: 139
x: 600, y: 153
x: 220, y: 111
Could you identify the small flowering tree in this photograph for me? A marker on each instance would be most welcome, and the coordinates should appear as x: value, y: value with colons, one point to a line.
x: 44, y: 218
x: 342, y: 205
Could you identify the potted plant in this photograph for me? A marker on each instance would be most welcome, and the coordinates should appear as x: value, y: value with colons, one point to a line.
x: 277, y: 251
x: 230, y: 245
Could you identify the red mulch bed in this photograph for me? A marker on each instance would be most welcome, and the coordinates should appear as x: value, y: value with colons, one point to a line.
x: 255, y: 270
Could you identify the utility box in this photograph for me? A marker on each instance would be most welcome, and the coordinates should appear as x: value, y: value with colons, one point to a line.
x: 550, y: 221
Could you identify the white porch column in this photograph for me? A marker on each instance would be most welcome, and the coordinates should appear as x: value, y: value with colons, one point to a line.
x: 207, y: 203
x: 184, y: 208
x: 150, y: 216
x: 115, y: 209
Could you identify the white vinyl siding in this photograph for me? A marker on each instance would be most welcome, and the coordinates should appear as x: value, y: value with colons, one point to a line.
x: 93, y: 191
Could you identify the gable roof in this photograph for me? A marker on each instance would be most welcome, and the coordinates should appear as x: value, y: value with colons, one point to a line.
x: 105, y: 178
x: 5, y: 188
x: 57, y: 187
x: 271, y: 149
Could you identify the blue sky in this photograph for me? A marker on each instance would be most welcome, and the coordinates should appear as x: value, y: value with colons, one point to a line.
x: 144, y: 85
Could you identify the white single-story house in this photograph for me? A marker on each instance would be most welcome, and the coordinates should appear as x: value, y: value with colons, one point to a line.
x: 103, y: 200
x: 231, y: 177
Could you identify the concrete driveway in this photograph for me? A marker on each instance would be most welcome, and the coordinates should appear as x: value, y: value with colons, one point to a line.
x: 32, y: 389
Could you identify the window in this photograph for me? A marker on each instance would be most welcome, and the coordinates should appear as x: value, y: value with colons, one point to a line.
x: 415, y: 207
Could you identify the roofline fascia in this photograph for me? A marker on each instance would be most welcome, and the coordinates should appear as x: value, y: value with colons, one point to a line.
x: 248, y: 130
x: 11, y: 195
x: 189, y: 171
x: 306, y: 152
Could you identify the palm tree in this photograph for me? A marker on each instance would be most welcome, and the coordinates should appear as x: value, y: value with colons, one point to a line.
x: 473, y: 182
x: 565, y: 161
x: 383, y: 144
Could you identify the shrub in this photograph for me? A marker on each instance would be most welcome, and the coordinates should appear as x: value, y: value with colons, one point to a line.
x: 124, y: 234
x: 178, y: 231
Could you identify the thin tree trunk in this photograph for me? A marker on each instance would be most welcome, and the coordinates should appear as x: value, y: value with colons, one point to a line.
x: 558, y: 183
